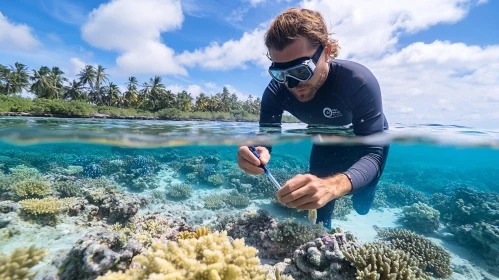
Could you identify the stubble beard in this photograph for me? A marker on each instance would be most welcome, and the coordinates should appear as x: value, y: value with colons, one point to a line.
x: 307, y: 95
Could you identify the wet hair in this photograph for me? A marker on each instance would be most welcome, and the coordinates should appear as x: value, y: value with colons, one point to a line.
x: 294, y: 23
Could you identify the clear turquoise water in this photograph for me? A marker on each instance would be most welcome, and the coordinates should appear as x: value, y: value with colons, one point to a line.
x: 423, y: 158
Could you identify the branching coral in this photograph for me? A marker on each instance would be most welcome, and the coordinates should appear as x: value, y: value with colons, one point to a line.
x: 212, y: 256
x: 378, y: 261
x: 216, y: 179
x: 22, y: 172
x: 17, y: 264
x: 399, y: 196
x: 201, y: 231
x: 421, y: 217
x: 69, y: 188
x: 31, y: 188
x: 214, y: 201
x: 34, y: 206
x: 432, y: 258
x: 182, y: 190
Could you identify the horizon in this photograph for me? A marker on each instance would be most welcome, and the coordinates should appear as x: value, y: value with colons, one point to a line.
x: 436, y: 62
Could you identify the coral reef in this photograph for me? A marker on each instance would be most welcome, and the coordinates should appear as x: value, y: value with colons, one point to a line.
x: 432, y: 258
x: 323, y: 258
x: 180, y: 190
x: 481, y: 236
x: 398, y: 196
x: 342, y: 207
x: 17, y: 264
x: 98, y: 252
x: 142, y: 165
x: 378, y: 261
x: 35, y: 206
x: 30, y: 188
x: 201, y: 231
x: 421, y: 218
x: 274, y: 239
x: 212, y: 256
x: 464, y: 205
x: 92, y: 170
x: 216, y: 180
x: 23, y: 172
x: 69, y: 188
x: 114, y: 206
x: 214, y: 201
x: 112, y: 248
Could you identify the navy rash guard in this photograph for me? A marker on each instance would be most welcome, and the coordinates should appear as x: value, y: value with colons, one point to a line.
x: 350, y: 96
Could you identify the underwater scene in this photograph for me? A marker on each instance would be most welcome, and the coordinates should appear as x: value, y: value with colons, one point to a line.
x: 138, y: 199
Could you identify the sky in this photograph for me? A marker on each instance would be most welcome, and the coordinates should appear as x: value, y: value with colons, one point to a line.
x: 437, y: 61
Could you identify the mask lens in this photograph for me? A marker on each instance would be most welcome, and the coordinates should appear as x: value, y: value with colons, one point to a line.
x: 279, y: 75
x: 301, y: 73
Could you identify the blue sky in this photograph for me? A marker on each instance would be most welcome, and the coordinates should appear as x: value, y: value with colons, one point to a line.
x: 437, y: 61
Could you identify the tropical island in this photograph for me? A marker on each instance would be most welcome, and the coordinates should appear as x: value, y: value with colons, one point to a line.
x: 93, y: 95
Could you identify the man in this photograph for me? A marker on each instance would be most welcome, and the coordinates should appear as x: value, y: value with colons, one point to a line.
x: 318, y: 89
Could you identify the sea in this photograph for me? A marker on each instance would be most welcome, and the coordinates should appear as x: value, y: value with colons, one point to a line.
x: 84, y: 198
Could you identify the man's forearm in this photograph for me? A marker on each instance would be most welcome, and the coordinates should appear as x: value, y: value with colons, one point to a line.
x: 340, y: 183
x: 365, y: 171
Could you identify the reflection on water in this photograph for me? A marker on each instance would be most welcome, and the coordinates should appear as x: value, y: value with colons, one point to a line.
x: 99, y: 196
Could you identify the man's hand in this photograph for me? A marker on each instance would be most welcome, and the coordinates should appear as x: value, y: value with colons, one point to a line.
x: 307, y: 192
x: 249, y: 163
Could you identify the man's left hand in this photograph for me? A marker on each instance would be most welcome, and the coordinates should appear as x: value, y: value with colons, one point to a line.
x: 307, y: 191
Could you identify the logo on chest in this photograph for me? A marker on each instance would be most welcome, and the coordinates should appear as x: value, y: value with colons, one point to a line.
x: 331, y: 113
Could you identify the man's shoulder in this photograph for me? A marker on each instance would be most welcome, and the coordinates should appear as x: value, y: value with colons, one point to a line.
x: 352, y: 70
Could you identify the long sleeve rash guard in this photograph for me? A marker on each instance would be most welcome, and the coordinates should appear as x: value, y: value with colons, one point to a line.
x: 350, y: 96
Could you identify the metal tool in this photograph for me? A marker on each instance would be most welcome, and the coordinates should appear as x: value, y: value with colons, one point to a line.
x: 267, y: 172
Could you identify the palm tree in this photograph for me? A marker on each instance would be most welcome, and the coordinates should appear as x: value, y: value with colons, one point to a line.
x: 202, y: 102
x: 42, y: 85
x: 74, y: 91
x: 15, y: 79
x: 131, y: 95
x: 57, y: 80
x: 153, y: 90
x: 87, y: 76
x: 4, y: 73
x: 112, y: 93
x: 184, y: 101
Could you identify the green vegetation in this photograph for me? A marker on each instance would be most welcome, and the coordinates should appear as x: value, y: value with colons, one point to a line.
x: 92, y: 93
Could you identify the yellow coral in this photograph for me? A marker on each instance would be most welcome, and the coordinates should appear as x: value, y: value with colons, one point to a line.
x: 49, y: 205
x: 312, y: 216
x: 17, y: 264
x: 201, y: 231
x: 31, y: 188
x: 212, y: 256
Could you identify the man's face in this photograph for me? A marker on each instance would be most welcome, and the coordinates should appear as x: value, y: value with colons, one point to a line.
x: 304, y: 91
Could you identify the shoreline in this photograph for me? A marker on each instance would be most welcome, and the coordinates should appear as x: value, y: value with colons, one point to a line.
x: 106, y: 116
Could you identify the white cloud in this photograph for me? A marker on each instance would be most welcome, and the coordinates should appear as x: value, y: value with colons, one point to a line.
x: 366, y: 28
x: 240, y: 95
x: 16, y: 37
x: 256, y: 2
x: 210, y: 85
x: 441, y: 82
x: 194, y: 90
x: 77, y: 66
x: 237, y: 14
x: 231, y: 54
x: 134, y: 29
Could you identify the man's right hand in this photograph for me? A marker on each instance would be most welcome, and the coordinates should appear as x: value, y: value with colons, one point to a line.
x: 248, y: 162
